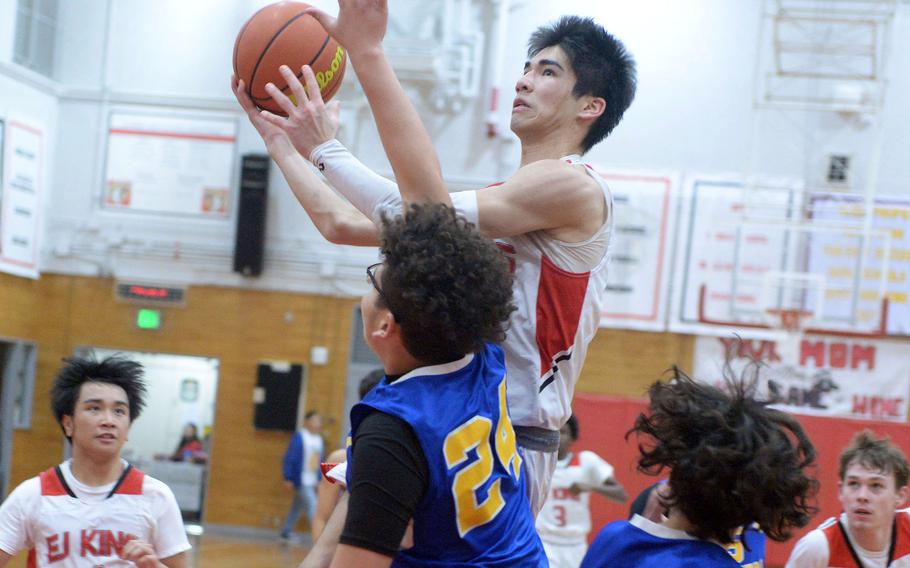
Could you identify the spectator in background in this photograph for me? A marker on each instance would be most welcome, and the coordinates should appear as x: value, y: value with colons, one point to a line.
x: 190, y: 446
x: 870, y: 532
x: 565, y: 519
x: 301, y: 471
x: 328, y: 492
x: 733, y: 461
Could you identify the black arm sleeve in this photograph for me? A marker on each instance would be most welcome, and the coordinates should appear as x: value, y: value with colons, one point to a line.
x: 389, y: 476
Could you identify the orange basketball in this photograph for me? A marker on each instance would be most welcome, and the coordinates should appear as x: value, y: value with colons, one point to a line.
x: 281, y: 34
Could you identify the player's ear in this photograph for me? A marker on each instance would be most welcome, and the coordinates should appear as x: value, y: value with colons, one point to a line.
x: 386, y: 325
x: 67, y: 422
x: 592, y: 107
x: 902, y: 495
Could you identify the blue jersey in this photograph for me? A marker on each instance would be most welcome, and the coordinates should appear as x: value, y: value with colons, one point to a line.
x: 475, y: 511
x: 752, y: 553
x: 644, y: 544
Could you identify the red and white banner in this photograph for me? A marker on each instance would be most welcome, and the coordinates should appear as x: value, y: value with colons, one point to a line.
x: 818, y: 375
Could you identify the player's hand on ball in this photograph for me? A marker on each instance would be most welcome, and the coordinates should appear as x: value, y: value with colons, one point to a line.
x: 310, y: 122
x: 141, y: 554
x: 360, y: 25
x: 270, y: 133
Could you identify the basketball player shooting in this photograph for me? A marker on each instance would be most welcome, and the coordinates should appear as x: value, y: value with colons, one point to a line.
x: 438, y: 302
x: 553, y: 217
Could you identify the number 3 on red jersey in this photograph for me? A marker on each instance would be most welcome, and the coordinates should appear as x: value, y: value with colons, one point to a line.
x: 475, y: 433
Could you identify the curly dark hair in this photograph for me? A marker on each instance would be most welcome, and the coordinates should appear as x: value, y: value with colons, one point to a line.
x: 116, y: 370
x: 448, y: 286
x: 732, y: 459
x: 876, y: 454
x: 603, y: 68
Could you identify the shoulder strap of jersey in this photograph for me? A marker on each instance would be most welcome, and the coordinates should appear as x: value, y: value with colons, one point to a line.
x: 853, y: 553
x: 53, y: 484
x: 902, y: 546
x: 130, y: 482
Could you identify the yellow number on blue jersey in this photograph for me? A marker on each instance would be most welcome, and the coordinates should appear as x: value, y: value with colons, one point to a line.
x: 506, y: 445
x: 475, y: 433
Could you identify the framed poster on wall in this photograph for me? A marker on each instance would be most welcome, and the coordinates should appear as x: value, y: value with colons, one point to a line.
x: 638, y: 279
x: 20, y: 198
x: 171, y: 165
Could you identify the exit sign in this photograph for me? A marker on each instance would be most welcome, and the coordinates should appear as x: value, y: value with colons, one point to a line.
x: 148, y: 319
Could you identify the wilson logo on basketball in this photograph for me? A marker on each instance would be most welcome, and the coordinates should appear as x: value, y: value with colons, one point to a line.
x: 325, y: 77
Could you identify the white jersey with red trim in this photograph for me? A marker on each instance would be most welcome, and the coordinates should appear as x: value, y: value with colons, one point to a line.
x: 559, y: 291
x: 566, y: 518
x: 829, y: 545
x: 64, y: 524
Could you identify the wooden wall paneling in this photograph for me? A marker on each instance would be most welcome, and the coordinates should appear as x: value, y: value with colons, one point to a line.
x: 37, y: 311
x: 238, y: 327
x: 624, y: 362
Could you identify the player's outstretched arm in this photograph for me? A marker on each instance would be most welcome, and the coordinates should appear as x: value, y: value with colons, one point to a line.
x: 360, y: 27
x: 548, y: 194
x: 337, y: 220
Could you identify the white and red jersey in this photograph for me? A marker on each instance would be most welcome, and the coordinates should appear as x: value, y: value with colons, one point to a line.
x: 566, y: 518
x: 559, y: 290
x: 829, y: 546
x: 65, y: 524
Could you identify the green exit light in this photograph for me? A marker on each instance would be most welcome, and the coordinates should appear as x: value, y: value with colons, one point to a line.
x: 148, y: 319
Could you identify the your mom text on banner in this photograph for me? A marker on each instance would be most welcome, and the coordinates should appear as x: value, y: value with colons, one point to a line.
x: 815, y: 374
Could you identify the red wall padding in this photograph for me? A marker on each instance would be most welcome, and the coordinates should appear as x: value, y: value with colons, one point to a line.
x: 605, y: 420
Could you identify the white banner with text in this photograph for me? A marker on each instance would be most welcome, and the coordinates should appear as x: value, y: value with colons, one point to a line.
x: 819, y: 375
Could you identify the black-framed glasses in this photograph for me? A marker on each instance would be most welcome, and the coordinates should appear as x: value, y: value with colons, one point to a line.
x: 371, y: 273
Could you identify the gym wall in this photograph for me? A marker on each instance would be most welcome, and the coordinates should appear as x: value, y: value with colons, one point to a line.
x: 238, y: 327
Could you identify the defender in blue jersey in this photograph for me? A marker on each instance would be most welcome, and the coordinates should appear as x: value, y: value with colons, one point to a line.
x: 747, y: 547
x: 433, y: 443
x: 733, y: 462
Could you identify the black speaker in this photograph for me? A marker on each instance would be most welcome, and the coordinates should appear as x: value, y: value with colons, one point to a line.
x: 277, y: 396
x: 249, y: 244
